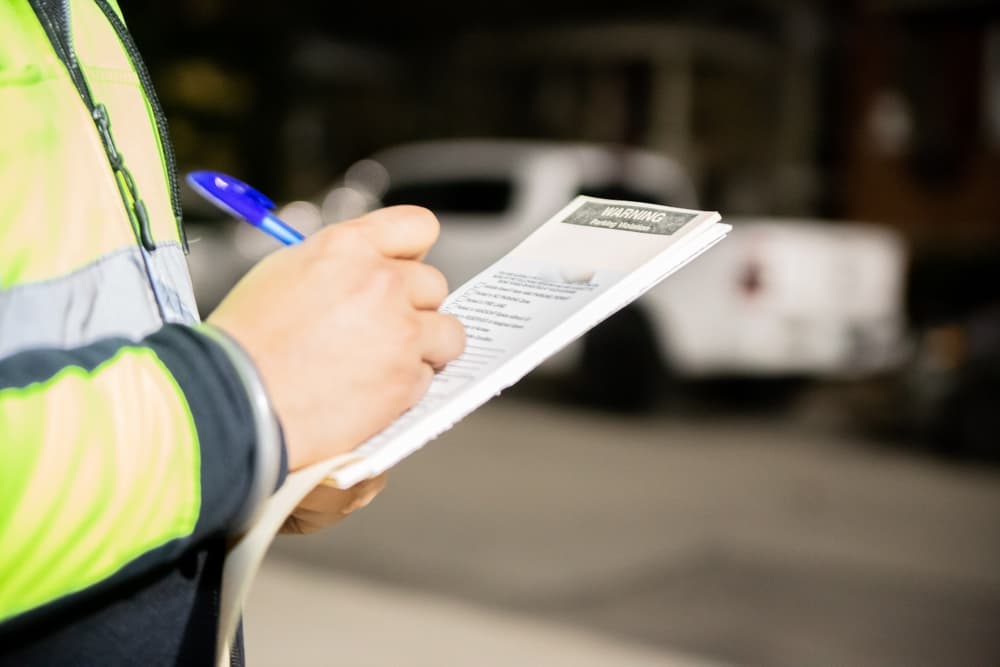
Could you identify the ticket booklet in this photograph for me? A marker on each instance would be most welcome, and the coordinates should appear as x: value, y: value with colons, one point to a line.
x: 591, y: 259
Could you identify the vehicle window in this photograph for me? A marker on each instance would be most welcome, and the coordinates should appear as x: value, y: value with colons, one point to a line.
x: 622, y: 191
x: 481, y: 196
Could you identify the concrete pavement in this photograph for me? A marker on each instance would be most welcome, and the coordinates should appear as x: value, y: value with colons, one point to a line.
x: 303, y: 616
x: 755, y: 540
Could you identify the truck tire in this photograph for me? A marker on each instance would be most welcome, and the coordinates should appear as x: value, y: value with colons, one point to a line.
x: 621, y: 367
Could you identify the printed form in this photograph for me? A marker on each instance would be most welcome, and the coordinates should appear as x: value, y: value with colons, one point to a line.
x: 587, y: 262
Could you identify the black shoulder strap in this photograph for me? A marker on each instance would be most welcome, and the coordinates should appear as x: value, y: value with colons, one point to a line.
x: 54, y: 13
x: 54, y: 17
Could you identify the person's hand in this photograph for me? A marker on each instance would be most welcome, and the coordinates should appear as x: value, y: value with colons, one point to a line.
x: 326, y: 505
x: 344, y: 328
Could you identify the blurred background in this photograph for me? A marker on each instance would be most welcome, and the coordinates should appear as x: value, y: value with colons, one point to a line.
x: 786, y: 454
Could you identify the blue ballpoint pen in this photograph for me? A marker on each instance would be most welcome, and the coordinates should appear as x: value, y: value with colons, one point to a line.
x: 239, y: 199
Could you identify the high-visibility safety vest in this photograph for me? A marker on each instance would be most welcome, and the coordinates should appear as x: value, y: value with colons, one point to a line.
x: 131, y: 436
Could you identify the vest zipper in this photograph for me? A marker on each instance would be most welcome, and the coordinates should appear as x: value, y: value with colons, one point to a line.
x: 160, y: 118
x: 123, y: 177
x: 53, y: 16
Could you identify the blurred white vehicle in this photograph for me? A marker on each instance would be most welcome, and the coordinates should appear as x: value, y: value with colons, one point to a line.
x: 777, y: 298
x: 489, y: 195
x: 787, y: 297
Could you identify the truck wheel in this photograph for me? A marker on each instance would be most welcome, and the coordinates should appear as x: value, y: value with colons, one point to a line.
x: 969, y: 426
x: 621, y: 367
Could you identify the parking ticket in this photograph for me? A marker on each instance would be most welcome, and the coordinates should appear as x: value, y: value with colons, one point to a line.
x: 588, y: 261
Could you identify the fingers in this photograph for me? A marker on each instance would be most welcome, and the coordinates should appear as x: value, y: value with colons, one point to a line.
x: 402, y: 232
x: 425, y: 286
x: 365, y: 492
x: 422, y: 384
x: 443, y: 337
x: 327, y: 499
x: 326, y: 505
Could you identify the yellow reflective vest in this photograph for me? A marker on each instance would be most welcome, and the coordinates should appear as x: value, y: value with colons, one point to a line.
x: 131, y: 437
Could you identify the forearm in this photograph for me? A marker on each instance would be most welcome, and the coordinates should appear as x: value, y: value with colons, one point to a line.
x: 118, y: 456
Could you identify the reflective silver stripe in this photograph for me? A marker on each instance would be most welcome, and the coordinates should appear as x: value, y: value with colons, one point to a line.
x: 109, y: 297
x: 267, y: 462
x: 173, y: 283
